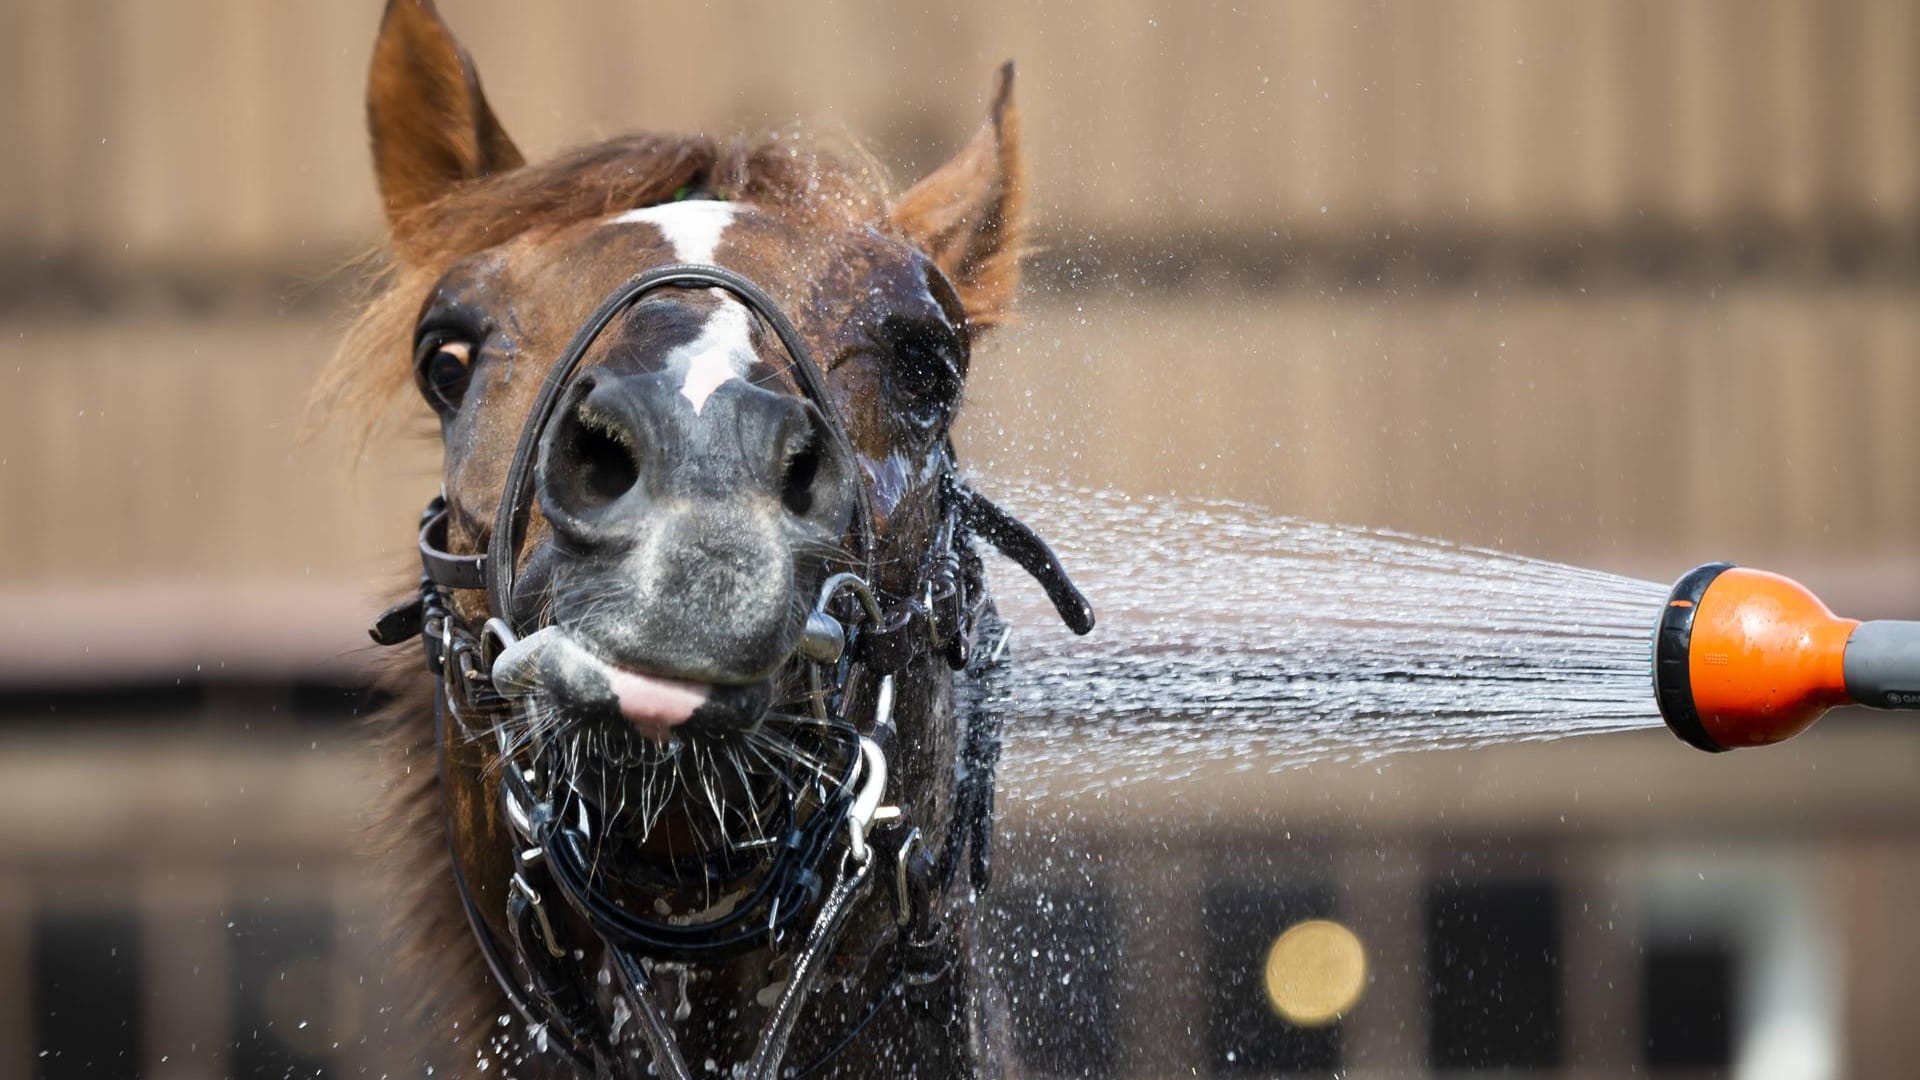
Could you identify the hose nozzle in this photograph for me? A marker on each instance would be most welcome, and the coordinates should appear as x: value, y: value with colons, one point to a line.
x: 1742, y: 657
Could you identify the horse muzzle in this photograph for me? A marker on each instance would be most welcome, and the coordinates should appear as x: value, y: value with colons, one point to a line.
x: 622, y: 446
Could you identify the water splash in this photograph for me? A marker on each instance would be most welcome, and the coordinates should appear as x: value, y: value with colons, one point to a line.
x: 1229, y: 633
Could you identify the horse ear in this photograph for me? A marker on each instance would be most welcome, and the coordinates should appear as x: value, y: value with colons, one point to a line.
x: 968, y: 213
x: 430, y: 124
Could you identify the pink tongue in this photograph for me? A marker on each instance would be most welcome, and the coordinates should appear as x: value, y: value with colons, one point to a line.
x: 654, y: 705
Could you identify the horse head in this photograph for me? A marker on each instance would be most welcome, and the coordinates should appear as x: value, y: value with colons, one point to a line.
x: 689, y: 502
x: 695, y: 400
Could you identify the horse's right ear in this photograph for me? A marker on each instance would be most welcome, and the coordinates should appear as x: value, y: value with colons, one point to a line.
x: 430, y: 124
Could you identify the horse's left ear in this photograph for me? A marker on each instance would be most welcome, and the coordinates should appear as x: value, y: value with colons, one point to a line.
x: 968, y: 213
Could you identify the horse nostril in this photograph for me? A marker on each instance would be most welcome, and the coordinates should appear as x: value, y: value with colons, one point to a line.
x: 796, y: 488
x: 597, y: 461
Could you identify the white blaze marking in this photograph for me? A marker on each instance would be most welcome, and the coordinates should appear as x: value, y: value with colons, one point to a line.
x: 692, y: 228
x: 724, y: 349
x: 722, y: 352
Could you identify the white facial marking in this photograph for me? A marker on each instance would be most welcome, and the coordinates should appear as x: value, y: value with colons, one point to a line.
x: 723, y: 351
x: 724, y: 348
x: 692, y: 228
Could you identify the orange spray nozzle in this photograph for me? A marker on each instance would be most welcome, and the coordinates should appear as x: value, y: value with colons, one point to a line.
x: 1742, y: 657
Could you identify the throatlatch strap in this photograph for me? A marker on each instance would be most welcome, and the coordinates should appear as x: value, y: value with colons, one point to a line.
x: 1024, y: 546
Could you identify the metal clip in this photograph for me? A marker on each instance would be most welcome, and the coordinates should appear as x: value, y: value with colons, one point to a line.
x: 516, y: 814
x: 854, y: 583
x: 936, y: 634
x: 902, y: 884
x: 882, y: 728
x: 824, y: 639
x: 539, y: 909
x: 873, y: 787
x: 496, y: 637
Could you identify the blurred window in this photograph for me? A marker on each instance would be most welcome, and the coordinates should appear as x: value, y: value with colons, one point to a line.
x: 1245, y: 1036
x: 86, y: 995
x: 1688, y: 1004
x: 284, y: 1006
x: 1493, y: 975
x: 1060, y: 978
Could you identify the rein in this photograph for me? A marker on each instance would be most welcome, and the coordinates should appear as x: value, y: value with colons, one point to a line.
x: 857, y: 639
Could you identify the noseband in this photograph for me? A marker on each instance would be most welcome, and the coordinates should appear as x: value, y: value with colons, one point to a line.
x: 857, y: 639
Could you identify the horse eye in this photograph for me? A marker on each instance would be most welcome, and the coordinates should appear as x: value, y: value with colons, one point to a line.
x: 443, y: 367
x: 925, y: 415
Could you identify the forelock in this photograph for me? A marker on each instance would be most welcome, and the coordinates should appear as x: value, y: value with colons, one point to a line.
x: 841, y: 187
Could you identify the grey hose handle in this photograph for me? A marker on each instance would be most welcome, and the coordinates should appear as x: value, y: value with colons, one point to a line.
x: 1882, y: 664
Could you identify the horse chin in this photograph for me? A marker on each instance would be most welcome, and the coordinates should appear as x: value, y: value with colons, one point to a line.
x: 670, y: 764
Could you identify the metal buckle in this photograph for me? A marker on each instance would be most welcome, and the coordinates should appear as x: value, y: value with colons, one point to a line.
x: 823, y: 642
x: 463, y: 674
x: 937, y: 636
x: 436, y: 635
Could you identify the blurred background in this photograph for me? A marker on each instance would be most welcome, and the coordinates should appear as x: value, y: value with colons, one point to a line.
x: 1629, y: 285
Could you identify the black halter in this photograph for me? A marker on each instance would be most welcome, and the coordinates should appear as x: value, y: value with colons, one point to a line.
x: 856, y: 634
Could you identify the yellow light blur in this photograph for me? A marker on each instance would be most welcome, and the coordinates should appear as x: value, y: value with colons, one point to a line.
x: 1316, y: 971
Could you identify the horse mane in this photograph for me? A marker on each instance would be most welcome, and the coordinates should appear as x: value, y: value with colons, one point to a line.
x: 786, y: 170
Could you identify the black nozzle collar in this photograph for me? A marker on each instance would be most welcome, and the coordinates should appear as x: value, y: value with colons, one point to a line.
x: 1672, y: 649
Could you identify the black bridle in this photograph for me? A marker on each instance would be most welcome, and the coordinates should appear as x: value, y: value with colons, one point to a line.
x: 857, y: 640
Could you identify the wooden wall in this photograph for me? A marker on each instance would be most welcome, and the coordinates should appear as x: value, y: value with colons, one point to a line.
x: 202, y: 129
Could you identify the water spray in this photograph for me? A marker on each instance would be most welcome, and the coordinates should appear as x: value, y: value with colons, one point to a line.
x: 1742, y: 657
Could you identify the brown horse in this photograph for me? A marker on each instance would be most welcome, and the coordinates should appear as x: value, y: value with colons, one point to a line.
x: 697, y: 588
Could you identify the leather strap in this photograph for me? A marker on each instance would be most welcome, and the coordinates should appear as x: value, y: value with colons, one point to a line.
x: 516, y: 497
x: 567, y: 1040
x: 1021, y: 544
x: 443, y: 567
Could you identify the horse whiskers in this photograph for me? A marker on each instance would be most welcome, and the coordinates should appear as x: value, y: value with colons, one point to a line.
x: 600, y: 838
x: 790, y: 750
x: 799, y: 778
x: 706, y: 788
x: 784, y: 750
x: 773, y: 768
x: 542, y: 720
x: 651, y: 802
x: 797, y: 773
x: 631, y: 785
x: 753, y: 809
x: 591, y: 610
x: 620, y: 811
x: 714, y: 802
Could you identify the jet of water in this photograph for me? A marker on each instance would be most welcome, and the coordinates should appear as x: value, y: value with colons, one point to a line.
x: 1227, y: 632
